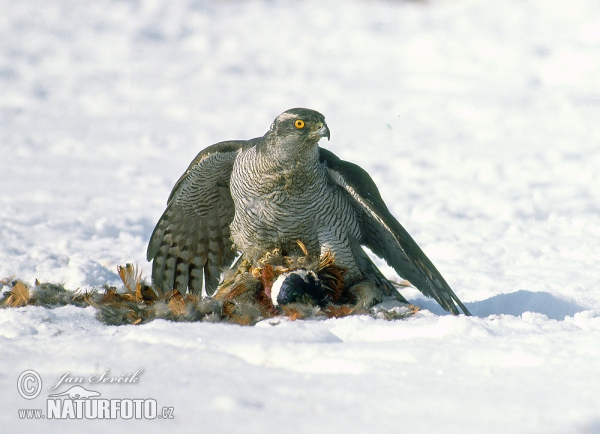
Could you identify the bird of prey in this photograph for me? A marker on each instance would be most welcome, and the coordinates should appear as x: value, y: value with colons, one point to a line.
x: 251, y: 196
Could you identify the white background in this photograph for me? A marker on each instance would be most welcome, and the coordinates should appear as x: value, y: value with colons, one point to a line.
x: 479, y: 121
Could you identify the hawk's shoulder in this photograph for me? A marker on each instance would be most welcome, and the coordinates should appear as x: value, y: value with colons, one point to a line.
x: 228, y: 147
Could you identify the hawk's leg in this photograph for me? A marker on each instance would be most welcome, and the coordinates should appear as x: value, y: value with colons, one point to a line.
x: 368, y: 293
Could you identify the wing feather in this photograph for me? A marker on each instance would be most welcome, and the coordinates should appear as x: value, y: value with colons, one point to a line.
x: 386, y: 237
x: 191, y: 242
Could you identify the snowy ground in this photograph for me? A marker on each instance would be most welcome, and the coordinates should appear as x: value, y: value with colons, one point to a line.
x: 480, y: 122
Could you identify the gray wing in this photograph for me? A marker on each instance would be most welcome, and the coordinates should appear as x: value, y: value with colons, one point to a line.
x: 386, y: 237
x: 191, y: 241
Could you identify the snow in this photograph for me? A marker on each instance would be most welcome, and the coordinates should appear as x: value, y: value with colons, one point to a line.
x: 478, y: 120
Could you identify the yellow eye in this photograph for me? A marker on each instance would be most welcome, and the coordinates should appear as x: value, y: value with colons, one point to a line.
x: 299, y: 124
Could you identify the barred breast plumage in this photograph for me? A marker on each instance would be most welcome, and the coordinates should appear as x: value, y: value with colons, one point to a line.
x: 249, y: 197
x: 281, y: 201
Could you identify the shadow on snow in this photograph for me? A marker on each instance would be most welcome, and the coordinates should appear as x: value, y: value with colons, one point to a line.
x: 515, y: 303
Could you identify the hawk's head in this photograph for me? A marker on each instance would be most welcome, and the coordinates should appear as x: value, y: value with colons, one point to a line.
x: 301, y: 125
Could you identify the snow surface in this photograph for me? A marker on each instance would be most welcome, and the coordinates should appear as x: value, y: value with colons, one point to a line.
x: 479, y: 121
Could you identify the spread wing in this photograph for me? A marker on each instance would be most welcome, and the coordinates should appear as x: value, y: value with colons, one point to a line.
x: 386, y: 237
x: 191, y: 241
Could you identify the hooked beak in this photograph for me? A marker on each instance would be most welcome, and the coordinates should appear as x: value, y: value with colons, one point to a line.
x: 323, y: 131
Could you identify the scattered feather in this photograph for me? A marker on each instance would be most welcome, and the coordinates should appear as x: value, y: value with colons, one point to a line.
x: 177, y: 303
x: 18, y: 295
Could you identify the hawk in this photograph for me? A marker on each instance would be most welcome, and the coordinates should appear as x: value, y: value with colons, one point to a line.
x: 248, y: 197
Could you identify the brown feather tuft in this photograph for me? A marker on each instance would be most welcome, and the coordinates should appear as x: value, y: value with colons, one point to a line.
x: 176, y: 303
x: 19, y: 295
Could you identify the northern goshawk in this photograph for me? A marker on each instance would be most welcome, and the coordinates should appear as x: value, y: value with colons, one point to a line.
x: 251, y: 196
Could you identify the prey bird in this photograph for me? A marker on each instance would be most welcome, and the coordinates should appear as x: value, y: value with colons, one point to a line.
x: 249, y: 197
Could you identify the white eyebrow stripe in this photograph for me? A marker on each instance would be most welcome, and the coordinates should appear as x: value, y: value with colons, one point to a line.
x: 285, y: 116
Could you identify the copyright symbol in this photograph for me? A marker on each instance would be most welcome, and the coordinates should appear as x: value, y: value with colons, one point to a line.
x: 29, y: 384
